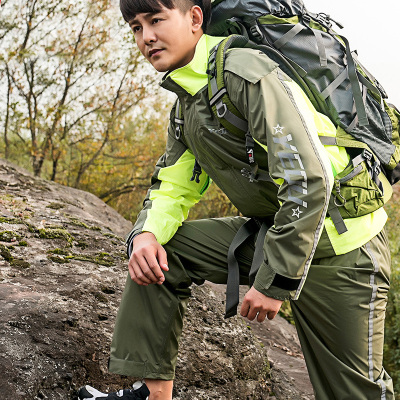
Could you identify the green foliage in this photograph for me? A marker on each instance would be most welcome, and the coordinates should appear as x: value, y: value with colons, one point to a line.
x: 392, y: 327
x: 71, y: 76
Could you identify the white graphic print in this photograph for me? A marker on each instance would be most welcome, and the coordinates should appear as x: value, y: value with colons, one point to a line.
x: 295, y: 174
x: 278, y: 129
x: 296, y: 212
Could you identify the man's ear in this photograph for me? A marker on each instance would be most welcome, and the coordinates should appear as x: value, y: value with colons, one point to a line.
x: 197, y: 18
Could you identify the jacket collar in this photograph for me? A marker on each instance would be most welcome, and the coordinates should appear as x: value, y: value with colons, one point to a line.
x: 193, y: 76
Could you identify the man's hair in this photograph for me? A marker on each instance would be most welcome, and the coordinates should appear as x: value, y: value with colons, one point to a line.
x: 130, y: 8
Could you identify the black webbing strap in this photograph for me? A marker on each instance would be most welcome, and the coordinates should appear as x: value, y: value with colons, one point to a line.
x: 258, y: 257
x: 248, y: 229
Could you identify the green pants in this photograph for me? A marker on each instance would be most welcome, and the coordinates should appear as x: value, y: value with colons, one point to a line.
x: 339, y: 315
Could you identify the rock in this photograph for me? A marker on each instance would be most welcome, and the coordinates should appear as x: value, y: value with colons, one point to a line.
x: 62, y: 271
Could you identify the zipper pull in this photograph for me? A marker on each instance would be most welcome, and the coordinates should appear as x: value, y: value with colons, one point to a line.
x: 196, y: 172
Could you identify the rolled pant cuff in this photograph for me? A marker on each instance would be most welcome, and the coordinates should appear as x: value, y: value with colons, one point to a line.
x: 138, y: 369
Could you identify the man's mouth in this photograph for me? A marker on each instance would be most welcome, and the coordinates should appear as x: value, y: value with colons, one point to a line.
x: 154, y: 52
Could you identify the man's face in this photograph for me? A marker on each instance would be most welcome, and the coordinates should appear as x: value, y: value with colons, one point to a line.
x: 165, y: 38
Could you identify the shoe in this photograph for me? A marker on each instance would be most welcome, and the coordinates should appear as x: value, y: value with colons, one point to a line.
x: 139, y: 391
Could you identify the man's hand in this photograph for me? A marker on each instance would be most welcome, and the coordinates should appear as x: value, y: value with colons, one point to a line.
x: 148, y: 260
x: 255, y: 303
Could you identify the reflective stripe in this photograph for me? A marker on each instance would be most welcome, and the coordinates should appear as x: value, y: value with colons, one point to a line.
x: 371, y: 310
x: 314, y: 140
x: 383, y: 388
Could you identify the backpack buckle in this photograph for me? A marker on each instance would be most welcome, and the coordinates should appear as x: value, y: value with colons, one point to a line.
x: 367, y: 155
x: 377, y: 168
x: 256, y: 32
x: 177, y: 133
x: 221, y: 109
x: 324, y: 20
x: 249, y: 175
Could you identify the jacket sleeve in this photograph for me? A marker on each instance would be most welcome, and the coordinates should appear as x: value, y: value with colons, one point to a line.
x: 171, y: 194
x: 282, y: 120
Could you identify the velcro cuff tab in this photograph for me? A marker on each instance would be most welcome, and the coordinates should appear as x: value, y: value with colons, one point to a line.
x: 282, y: 282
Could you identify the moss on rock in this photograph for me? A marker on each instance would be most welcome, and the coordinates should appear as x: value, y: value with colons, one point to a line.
x: 56, y: 206
x: 9, y: 236
x: 58, y: 259
x: 57, y: 233
x: 5, y: 253
x: 19, y: 263
x: 62, y: 252
x: 11, y: 220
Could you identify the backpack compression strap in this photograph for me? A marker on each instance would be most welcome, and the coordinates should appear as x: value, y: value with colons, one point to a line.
x: 227, y: 113
x: 223, y: 108
x: 248, y: 229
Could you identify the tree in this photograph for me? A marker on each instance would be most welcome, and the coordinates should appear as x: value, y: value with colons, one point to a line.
x: 71, y: 75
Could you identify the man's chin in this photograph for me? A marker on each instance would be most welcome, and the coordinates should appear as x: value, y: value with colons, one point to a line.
x: 160, y: 68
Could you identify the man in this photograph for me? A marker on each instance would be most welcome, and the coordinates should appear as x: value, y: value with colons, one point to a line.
x: 337, y: 283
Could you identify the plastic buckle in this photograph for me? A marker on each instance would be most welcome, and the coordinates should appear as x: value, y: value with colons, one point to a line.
x: 256, y: 32
x: 325, y: 20
x: 249, y: 175
x: 367, y: 155
x: 377, y: 168
x: 177, y: 133
x: 306, y: 18
x: 221, y: 110
x: 211, y: 71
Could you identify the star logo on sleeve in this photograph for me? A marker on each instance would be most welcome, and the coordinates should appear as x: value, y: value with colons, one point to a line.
x: 296, y: 212
x: 278, y: 129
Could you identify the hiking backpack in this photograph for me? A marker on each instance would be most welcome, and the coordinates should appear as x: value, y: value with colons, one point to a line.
x: 320, y: 61
x: 310, y: 52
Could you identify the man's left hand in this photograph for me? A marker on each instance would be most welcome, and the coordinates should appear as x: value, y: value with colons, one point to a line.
x: 256, y: 304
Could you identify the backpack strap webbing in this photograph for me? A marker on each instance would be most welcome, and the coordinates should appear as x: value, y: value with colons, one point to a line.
x: 334, y: 213
x: 355, y: 85
x: 223, y: 108
x: 247, y: 230
x: 179, y: 122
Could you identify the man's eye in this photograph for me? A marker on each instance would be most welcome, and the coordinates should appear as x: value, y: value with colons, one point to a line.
x: 155, y: 20
x: 135, y: 29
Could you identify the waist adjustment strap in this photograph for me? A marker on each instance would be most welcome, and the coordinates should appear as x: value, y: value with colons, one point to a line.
x: 248, y: 229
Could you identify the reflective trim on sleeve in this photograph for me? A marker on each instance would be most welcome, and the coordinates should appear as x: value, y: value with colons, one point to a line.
x: 307, y: 114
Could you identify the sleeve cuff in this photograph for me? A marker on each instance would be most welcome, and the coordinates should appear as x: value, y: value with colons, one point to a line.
x: 129, y: 241
x: 273, y: 285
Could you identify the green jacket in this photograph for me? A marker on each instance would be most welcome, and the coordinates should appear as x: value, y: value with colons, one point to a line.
x: 285, y: 127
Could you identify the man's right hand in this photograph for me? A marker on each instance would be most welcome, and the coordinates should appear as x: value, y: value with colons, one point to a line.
x: 148, y: 260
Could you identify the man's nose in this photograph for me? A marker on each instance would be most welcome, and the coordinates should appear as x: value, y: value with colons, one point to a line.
x: 149, y: 35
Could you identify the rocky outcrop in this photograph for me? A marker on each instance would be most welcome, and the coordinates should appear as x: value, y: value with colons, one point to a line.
x: 62, y: 272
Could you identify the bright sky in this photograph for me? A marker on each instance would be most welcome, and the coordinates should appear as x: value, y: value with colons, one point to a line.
x: 374, y: 31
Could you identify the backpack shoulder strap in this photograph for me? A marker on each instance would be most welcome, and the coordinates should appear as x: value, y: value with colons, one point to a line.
x: 223, y: 108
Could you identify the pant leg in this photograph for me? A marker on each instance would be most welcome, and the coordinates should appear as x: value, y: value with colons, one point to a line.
x: 150, y: 318
x: 340, y: 317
